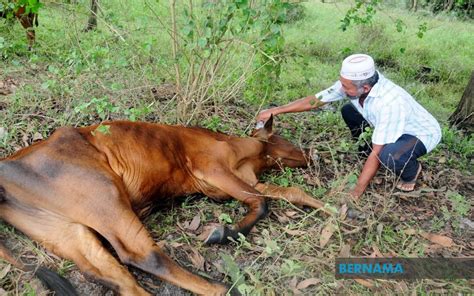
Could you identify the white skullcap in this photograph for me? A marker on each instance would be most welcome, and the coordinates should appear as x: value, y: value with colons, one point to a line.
x: 358, y: 67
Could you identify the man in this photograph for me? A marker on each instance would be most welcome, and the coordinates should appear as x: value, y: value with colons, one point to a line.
x: 403, y: 129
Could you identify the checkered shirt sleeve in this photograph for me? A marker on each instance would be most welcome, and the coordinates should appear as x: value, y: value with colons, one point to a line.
x: 331, y: 94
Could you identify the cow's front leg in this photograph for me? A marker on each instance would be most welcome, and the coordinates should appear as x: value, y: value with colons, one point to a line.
x: 232, y: 185
x: 293, y: 195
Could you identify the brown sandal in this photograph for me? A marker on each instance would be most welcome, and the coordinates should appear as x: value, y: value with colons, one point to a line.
x: 408, y: 186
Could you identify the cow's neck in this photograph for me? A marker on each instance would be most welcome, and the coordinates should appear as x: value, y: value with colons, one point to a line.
x: 249, y: 159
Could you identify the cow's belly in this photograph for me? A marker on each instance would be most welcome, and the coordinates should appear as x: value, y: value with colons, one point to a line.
x: 217, y: 194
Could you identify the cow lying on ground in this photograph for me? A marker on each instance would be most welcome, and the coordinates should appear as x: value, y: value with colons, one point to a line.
x: 80, y: 183
x: 27, y: 20
x: 53, y: 281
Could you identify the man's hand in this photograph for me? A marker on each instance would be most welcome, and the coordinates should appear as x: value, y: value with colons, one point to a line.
x: 264, y: 115
x: 368, y: 172
x: 356, y: 193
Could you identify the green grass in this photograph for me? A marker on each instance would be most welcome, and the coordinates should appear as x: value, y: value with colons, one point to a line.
x: 77, y: 78
x: 320, y: 47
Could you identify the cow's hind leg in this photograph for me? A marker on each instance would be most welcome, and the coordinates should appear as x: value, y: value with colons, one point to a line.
x: 135, y: 247
x: 78, y: 243
x: 96, y: 262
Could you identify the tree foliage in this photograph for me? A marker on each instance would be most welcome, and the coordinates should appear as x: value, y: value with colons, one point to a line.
x: 461, y: 8
x: 8, y: 8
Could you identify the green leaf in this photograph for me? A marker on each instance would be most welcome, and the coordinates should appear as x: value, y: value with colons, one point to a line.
x: 271, y: 247
x: 245, y: 289
x: 225, y: 218
x: 206, y: 53
x: 187, y: 31
x: 53, y: 70
x: 208, y: 32
x: 352, y: 180
x: 232, y: 269
x: 202, y: 42
x: 400, y: 25
x: 290, y: 267
x: 104, y: 129
x: 275, y: 29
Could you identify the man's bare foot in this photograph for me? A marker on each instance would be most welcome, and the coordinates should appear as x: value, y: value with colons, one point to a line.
x: 408, y: 186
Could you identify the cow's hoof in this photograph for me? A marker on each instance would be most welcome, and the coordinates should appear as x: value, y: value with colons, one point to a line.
x: 216, y: 236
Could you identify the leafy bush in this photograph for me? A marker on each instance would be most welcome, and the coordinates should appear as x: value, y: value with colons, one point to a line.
x: 295, y: 12
x: 460, y: 8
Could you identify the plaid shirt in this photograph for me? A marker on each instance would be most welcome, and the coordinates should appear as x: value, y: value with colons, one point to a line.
x: 392, y: 112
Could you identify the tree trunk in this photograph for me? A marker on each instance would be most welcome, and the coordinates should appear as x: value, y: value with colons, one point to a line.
x: 92, y: 22
x: 463, y: 117
x: 449, y: 5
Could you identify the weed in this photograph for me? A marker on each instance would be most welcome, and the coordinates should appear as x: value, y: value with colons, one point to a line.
x: 225, y: 218
x: 455, y: 141
x: 97, y: 106
x: 233, y: 271
x: 213, y: 123
x: 460, y: 207
x: 65, y: 267
x: 459, y: 203
x: 365, y: 138
x: 136, y: 113
x: 29, y: 290
x: 290, y: 267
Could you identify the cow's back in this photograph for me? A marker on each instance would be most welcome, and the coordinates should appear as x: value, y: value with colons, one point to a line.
x: 154, y: 160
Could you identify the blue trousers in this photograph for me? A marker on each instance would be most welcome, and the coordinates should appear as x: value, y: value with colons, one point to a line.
x: 400, y: 157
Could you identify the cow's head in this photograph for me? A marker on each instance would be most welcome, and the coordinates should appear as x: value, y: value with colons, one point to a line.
x: 277, y: 151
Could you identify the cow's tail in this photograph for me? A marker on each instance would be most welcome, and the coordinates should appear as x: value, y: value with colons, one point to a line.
x: 55, y: 282
x: 50, y: 279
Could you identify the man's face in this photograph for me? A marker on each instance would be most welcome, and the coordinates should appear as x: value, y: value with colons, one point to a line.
x: 351, y: 91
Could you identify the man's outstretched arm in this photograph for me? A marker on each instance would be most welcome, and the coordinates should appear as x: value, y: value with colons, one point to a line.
x: 303, y: 104
x: 368, y: 172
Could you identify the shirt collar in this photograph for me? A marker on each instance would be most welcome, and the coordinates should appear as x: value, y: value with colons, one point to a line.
x: 376, y: 88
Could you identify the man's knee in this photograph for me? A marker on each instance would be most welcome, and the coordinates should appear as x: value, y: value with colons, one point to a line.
x: 390, y: 158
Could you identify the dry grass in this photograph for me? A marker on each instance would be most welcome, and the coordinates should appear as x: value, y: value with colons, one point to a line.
x: 128, y: 64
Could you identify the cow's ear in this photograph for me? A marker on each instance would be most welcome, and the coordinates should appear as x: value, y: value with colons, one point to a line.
x: 269, y: 125
x: 265, y: 132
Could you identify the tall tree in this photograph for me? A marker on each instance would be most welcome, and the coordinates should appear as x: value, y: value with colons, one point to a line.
x: 463, y: 117
x: 92, y: 22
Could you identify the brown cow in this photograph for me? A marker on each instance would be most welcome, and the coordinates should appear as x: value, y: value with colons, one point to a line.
x: 27, y: 20
x: 81, y: 182
x: 50, y: 279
